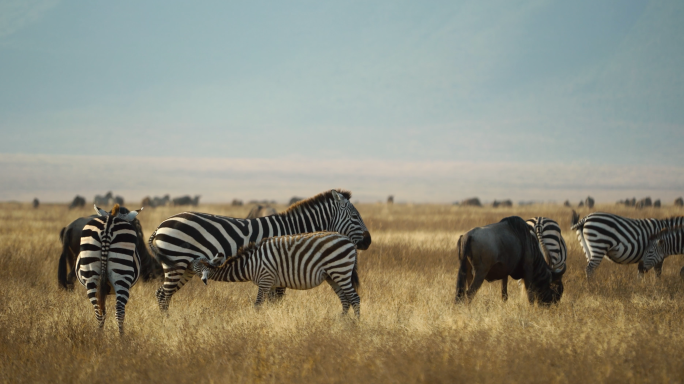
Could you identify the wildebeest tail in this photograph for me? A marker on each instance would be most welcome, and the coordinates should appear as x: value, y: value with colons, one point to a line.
x: 464, y: 248
x: 575, y: 222
x: 356, y: 284
x: 62, y: 266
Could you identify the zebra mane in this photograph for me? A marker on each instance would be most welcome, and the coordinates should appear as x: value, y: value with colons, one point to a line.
x: 242, y: 253
x: 321, y: 197
x: 665, y: 231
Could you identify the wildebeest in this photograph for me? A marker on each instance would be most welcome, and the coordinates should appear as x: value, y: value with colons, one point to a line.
x: 581, y: 204
x: 503, y: 249
x: 70, y: 237
x: 295, y: 199
x: 261, y: 211
x: 567, y: 203
x: 679, y: 202
x: 78, y: 202
x: 390, y: 199
x: 503, y: 203
x: 236, y: 203
x: 644, y: 203
x: 656, y: 204
x: 473, y: 202
x: 36, y: 202
x: 589, y: 202
x: 186, y: 200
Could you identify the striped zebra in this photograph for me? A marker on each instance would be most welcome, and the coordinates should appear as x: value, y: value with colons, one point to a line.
x: 182, y: 238
x: 551, y: 242
x: 623, y: 240
x: 108, y: 262
x: 301, y: 261
x: 664, y: 244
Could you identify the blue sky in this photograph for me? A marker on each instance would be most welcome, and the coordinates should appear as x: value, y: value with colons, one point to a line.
x: 536, y: 83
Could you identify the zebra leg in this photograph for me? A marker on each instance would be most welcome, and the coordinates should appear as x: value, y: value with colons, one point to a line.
x: 658, y: 269
x: 504, y: 289
x: 276, y: 294
x: 340, y: 293
x: 261, y: 295
x: 122, y: 293
x: 345, y: 284
x: 641, y: 270
x: 174, y: 279
x: 592, y: 264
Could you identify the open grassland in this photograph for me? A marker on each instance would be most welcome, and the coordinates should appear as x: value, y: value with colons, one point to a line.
x: 617, y: 329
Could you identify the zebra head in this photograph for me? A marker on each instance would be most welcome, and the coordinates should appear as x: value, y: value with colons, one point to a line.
x: 347, y: 221
x: 202, y: 266
x: 655, y: 254
x: 118, y: 211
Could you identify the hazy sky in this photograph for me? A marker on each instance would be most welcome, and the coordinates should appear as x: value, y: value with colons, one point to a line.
x: 542, y: 86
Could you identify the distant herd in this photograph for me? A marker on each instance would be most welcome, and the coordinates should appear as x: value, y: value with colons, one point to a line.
x: 316, y: 240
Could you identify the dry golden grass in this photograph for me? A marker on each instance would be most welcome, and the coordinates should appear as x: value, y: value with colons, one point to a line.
x: 615, y: 330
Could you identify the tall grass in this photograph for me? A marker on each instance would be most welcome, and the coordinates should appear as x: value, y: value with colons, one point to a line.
x: 617, y: 329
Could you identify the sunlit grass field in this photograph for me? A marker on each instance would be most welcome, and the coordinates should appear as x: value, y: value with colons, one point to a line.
x: 616, y: 329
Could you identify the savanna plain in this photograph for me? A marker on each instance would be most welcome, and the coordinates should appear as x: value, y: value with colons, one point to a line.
x: 615, y: 329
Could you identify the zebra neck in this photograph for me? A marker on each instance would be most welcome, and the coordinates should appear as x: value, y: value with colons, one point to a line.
x: 305, y: 219
x: 237, y: 271
x: 671, y: 223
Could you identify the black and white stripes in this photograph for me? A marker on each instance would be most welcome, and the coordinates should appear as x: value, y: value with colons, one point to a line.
x: 622, y: 239
x: 551, y: 241
x: 185, y: 237
x: 666, y: 243
x: 108, y: 262
x: 297, y: 261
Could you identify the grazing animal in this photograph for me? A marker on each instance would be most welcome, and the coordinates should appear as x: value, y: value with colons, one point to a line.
x: 679, y: 202
x: 499, y: 250
x: 186, y: 200
x: 237, y: 203
x: 156, y: 201
x: 589, y: 202
x: 301, y: 261
x: 70, y: 238
x: 504, y: 203
x: 656, y: 204
x: 108, y: 263
x: 294, y: 200
x: 78, y: 202
x: 581, y: 204
x: 260, y: 211
x: 36, y: 202
x: 567, y: 203
x: 473, y: 202
x: 644, y: 203
x: 622, y: 239
x: 662, y: 245
x: 107, y: 199
x: 551, y: 243
x: 390, y: 199
x: 185, y: 237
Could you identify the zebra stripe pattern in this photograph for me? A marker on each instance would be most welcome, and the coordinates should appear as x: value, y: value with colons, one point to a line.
x: 548, y: 233
x: 183, y: 238
x: 299, y: 261
x: 663, y: 245
x: 623, y: 240
x: 108, y: 262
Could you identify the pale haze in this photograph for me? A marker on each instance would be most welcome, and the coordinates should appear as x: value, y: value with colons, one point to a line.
x: 429, y: 101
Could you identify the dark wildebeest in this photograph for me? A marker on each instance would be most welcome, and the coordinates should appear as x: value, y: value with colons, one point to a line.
x: 589, y: 202
x: 156, y: 201
x: 679, y: 202
x: 567, y: 203
x: 237, y: 203
x: 656, y: 204
x: 186, y: 200
x: 36, y: 202
x: 70, y: 237
x: 473, y: 202
x: 506, y: 248
x: 295, y: 199
x: 504, y: 203
x: 390, y: 199
x: 78, y: 202
x: 261, y: 211
x: 581, y: 204
x: 118, y: 200
x: 104, y: 200
x: 644, y: 203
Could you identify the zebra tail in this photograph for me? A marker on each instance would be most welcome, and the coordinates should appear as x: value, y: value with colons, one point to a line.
x: 62, y: 267
x: 356, y: 283
x: 103, y: 286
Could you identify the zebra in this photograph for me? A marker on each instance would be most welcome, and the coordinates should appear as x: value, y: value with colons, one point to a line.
x: 622, y: 239
x: 662, y: 245
x: 108, y: 262
x: 182, y: 238
x: 551, y: 242
x: 301, y: 261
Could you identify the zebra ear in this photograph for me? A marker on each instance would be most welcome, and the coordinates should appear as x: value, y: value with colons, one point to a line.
x: 100, y: 211
x: 131, y: 215
x: 338, y: 196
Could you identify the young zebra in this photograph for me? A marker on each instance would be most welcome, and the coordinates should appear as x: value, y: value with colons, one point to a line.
x: 108, y: 262
x: 666, y: 243
x: 551, y: 241
x: 185, y: 237
x: 623, y: 240
x: 297, y: 261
